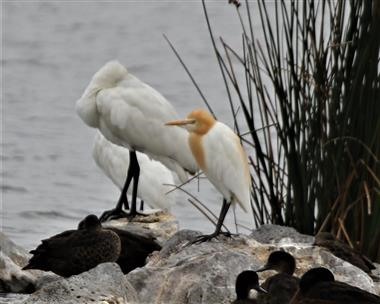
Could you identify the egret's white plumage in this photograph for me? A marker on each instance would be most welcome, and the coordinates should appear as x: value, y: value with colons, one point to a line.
x: 154, y: 178
x: 222, y: 158
x: 130, y: 113
x: 227, y: 165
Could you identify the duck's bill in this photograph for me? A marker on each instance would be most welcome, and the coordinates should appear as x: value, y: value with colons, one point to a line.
x: 181, y: 122
x: 262, y: 290
x: 265, y: 267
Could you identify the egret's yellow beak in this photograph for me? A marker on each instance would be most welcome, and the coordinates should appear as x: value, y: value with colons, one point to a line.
x: 181, y: 122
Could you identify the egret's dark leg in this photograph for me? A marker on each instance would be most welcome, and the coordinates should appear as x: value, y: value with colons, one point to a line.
x: 141, y: 205
x: 219, y: 224
x: 123, y: 199
x: 134, y: 165
x: 118, y: 212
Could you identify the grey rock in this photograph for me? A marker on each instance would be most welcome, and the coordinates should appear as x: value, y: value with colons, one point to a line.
x: 102, y: 284
x: 13, y: 279
x: 275, y: 234
x: 14, y: 298
x: 12, y: 259
x: 206, y: 273
x: 376, y: 273
x: 17, y: 254
x: 160, y: 224
x: 203, y: 273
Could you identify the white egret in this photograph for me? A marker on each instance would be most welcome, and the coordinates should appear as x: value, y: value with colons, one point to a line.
x: 155, y: 178
x: 220, y: 155
x: 130, y: 113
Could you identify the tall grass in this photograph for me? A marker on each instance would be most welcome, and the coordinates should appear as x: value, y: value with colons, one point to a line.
x: 310, y: 98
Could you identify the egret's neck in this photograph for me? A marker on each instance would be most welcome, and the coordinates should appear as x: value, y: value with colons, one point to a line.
x: 196, y: 146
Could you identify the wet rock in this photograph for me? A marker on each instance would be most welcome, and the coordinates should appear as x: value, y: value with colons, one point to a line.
x: 159, y: 224
x: 206, y: 273
x: 102, y: 284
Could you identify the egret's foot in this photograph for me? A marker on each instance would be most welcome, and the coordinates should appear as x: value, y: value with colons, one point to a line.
x: 113, y: 214
x: 202, y: 239
x: 208, y: 237
x: 227, y: 234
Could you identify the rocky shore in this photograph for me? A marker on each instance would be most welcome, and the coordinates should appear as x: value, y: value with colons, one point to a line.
x: 203, y: 273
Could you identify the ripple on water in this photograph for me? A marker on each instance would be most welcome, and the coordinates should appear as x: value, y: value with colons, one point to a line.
x: 8, y: 188
x: 46, y: 214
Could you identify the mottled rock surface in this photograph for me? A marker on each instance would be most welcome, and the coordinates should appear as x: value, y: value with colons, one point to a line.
x: 206, y: 273
x: 203, y: 273
x: 159, y: 224
x: 102, y: 284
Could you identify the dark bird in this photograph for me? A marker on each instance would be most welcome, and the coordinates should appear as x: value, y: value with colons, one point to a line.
x: 318, y: 286
x: 282, y: 286
x: 246, y: 281
x: 75, y: 251
x: 343, y: 251
x: 135, y: 248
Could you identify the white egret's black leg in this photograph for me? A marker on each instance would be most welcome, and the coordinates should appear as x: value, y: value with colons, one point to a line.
x: 123, y: 199
x: 135, y: 168
x: 141, y: 205
x: 118, y: 212
x: 219, y: 224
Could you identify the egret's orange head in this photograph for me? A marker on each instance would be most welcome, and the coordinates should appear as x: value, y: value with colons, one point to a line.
x: 198, y: 121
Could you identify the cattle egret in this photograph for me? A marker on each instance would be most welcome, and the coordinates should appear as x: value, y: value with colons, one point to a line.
x: 155, y: 178
x: 130, y: 113
x: 219, y: 154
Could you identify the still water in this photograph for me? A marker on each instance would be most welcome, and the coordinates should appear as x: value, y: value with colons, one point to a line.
x: 51, y: 49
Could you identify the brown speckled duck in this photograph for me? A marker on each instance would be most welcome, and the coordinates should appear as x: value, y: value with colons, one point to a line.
x: 343, y: 251
x: 135, y: 248
x: 318, y: 286
x: 75, y: 251
x: 246, y: 281
x: 282, y: 286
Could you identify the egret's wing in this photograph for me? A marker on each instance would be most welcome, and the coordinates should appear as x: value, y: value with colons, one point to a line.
x: 227, y: 164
